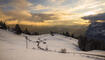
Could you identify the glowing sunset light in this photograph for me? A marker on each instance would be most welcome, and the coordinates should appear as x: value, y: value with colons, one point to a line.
x: 90, y: 13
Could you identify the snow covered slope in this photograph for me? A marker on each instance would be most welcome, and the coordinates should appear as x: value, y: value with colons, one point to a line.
x: 13, y: 47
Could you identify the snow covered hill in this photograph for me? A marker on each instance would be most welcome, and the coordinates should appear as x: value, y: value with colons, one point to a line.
x: 13, y: 47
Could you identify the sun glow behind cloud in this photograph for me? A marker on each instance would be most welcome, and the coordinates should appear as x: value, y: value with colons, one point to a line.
x: 90, y: 13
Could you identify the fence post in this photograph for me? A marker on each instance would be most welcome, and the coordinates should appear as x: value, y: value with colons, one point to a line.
x: 26, y: 41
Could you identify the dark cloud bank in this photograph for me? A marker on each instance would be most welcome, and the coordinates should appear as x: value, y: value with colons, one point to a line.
x: 94, y: 18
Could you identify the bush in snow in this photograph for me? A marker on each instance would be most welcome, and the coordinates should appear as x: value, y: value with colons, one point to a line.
x: 36, y: 33
x: 66, y: 34
x: 52, y: 33
x: 26, y: 31
x: 63, y: 50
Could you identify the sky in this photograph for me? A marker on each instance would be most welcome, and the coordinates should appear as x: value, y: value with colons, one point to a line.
x: 51, y: 12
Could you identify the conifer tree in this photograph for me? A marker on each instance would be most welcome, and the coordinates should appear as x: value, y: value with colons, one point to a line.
x: 67, y: 34
x: 26, y: 31
x: 18, y: 29
x: 72, y: 35
x: 36, y: 33
x: 3, y: 25
x: 52, y: 33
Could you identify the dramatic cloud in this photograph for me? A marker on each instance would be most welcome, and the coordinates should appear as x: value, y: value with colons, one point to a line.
x: 15, y: 8
x: 18, y: 10
x: 43, y: 17
x: 49, y: 10
x: 95, y: 17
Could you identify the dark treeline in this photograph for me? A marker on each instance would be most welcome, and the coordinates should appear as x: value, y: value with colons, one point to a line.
x: 77, y: 30
x: 68, y: 34
x: 18, y: 29
x: 87, y: 44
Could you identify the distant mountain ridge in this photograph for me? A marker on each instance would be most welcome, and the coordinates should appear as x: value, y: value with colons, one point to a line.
x: 96, y: 31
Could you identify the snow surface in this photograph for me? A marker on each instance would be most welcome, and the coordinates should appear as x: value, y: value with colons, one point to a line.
x: 13, y: 47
